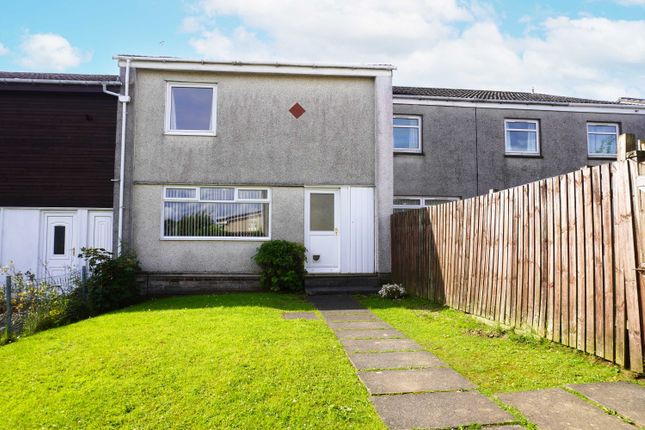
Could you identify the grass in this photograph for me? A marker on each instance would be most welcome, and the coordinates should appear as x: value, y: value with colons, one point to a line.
x: 225, y: 361
x: 493, y: 359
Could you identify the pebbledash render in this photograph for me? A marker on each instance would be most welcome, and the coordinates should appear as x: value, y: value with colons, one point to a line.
x: 220, y: 157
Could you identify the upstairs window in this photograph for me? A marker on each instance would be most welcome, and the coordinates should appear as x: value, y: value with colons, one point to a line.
x: 216, y: 213
x: 522, y: 137
x: 407, y: 133
x: 191, y: 109
x: 602, y: 139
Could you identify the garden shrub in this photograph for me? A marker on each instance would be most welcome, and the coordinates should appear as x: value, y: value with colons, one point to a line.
x: 36, y: 304
x: 282, y: 265
x: 392, y: 291
x: 112, y: 283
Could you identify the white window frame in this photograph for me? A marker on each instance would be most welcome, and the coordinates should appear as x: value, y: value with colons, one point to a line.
x: 419, y: 127
x: 422, y: 201
x: 595, y: 155
x: 537, y: 136
x: 169, y: 131
x: 268, y: 200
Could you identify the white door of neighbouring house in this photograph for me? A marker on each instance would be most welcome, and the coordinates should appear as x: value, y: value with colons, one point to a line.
x: 322, y: 234
x: 100, y: 230
x: 60, y: 249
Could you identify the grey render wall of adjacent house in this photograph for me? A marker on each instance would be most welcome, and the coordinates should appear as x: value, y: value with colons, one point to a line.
x: 258, y: 142
x: 464, y: 149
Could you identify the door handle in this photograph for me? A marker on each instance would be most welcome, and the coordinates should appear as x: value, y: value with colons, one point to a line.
x: 336, y: 230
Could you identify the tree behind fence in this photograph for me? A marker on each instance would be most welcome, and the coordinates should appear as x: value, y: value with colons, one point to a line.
x: 558, y: 256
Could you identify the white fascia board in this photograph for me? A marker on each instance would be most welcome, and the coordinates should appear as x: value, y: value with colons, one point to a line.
x: 251, y: 67
x: 57, y: 82
x: 570, y: 107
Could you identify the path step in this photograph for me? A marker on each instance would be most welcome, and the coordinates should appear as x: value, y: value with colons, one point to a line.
x: 358, y: 289
x: 395, y: 360
x: 341, y: 284
x: 556, y: 409
x: 439, y: 410
x: 414, y: 381
x: 625, y: 398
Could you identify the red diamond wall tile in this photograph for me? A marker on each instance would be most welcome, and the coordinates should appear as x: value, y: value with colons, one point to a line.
x: 297, y: 110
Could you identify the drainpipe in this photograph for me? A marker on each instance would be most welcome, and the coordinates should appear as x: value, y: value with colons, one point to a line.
x: 124, y: 99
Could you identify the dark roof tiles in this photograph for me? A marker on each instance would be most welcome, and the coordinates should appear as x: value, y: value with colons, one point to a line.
x: 488, y: 95
x: 58, y: 76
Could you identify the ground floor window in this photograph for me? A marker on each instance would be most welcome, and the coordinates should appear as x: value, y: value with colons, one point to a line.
x: 406, y: 203
x: 216, y: 213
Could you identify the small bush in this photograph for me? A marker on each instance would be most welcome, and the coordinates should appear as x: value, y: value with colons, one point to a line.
x: 392, y: 291
x: 282, y: 265
x: 112, y: 283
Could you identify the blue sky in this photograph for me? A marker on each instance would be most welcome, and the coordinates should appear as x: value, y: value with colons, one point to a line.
x: 582, y: 47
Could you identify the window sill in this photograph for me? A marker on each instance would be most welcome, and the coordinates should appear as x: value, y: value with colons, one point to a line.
x: 602, y: 157
x: 408, y: 153
x: 215, y: 239
x: 188, y: 133
x: 515, y: 155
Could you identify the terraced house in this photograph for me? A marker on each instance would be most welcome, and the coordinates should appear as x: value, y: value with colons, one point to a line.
x: 222, y: 156
x: 456, y: 143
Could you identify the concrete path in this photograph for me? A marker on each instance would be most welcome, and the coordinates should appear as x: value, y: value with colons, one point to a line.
x: 409, y: 387
x: 556, y: 409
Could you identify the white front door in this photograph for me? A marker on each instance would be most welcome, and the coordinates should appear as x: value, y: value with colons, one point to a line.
x: 322, y: 235
x: 60, y: 248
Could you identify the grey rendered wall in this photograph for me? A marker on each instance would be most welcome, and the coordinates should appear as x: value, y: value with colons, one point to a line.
x: 258, y: 141
x: 464, y: 149
x: 157, y: 255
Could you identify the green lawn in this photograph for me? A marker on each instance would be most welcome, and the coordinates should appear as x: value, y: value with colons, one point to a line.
x: 494, y: 360
x: 224, y: 361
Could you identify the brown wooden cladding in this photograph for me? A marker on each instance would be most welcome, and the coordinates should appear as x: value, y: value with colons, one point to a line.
x: 557, y: 256
x: 57, y: 148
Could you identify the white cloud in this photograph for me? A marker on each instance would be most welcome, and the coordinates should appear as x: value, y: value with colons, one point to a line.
x: 50, y: 51
x: 432, y: 43
x: 3, y: 49
x: 631, y: 2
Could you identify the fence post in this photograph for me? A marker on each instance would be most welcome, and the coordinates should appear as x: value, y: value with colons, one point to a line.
x: 7, y: 294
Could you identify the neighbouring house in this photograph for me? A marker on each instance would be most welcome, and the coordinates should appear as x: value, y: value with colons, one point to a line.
x: 56, y: 168
x: 220, y: 157
x: 458, y: 143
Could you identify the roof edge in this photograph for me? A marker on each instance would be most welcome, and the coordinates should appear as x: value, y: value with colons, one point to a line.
x: 516, y: 102
x: 58, y: 82
x: 175, y: 63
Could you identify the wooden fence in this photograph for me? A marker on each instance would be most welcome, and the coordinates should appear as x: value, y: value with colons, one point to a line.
x: 563, y: 256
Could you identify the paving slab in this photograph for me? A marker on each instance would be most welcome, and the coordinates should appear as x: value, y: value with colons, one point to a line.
x: 505, y: 427
x: 300, y: 315
x: 395, y: 360
x: 439, y: 410
x: 370, y: 334
x: 351, y: 316
x: 557, y: 409
x: 335, y: 302
x: 376, y: 345
x: 358, y: 325
x: 347, y: 312
x: 414, y: 381
x: 625, y: 398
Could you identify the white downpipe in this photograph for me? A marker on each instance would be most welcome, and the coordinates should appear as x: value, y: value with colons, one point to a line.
x: 124, y: 117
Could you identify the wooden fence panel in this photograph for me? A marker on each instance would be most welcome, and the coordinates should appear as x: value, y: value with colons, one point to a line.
x: 557, y: 256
